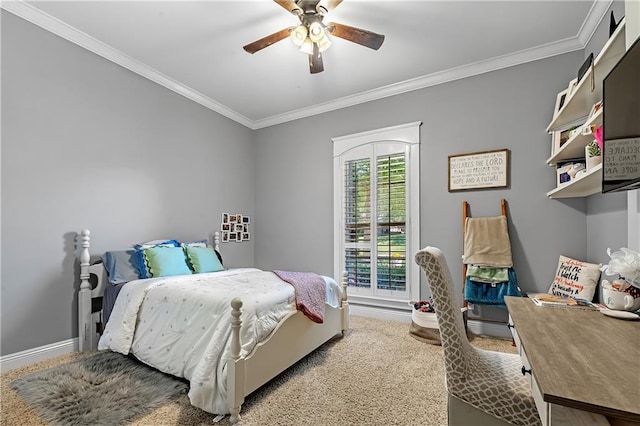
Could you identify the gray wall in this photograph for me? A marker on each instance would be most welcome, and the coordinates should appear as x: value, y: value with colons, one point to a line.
x: 88, y: 144
x: 509, y: 108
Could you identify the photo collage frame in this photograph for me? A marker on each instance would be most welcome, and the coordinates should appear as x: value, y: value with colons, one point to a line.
x: 235, y: 227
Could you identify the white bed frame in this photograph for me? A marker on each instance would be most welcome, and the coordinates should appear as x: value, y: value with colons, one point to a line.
x: 293, y: 338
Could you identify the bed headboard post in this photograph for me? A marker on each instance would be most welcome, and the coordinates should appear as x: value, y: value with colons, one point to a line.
x: 85, y: 335
x: 216, y: 241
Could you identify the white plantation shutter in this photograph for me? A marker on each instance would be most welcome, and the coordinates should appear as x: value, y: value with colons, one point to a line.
x: 391, y: 213
x: 357, y: 220
x: 376, y: 187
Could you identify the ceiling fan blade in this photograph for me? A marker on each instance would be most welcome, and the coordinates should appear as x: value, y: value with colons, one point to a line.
x: 290, y: 6
x: 268, y: 40
x: 356, y: 35
x: 315, y: 60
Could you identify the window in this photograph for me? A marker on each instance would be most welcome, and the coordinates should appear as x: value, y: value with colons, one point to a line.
x: 376, y: 190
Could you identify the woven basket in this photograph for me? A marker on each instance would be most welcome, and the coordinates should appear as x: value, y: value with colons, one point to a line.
x: 424, y: 327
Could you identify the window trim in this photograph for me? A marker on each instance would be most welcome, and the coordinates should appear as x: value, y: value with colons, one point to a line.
x: 409, y: 134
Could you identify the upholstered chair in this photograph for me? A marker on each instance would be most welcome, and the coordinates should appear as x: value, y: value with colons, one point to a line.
x: 483, y: 387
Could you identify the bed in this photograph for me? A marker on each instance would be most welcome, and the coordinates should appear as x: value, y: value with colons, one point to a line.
x: 243, y: 326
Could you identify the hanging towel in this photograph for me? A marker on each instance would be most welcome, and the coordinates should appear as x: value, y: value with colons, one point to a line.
x: 486, y: 242
x: 487, y: 274
x: 492, y: 294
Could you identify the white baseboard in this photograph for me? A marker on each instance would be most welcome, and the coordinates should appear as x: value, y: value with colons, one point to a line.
x: 19, y: 359
x: 381, y: 313
x: 484, y: 328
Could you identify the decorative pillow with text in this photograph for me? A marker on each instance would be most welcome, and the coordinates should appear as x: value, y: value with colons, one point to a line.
x: 575, y: 279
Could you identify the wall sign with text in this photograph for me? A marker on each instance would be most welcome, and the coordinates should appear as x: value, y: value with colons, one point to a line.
x: 478, y: 170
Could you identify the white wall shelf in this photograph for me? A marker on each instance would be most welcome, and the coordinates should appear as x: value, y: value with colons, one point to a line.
x: 574, y: 147
x: 589, y: 184
x: 583, y: 97
x: 576, y: 109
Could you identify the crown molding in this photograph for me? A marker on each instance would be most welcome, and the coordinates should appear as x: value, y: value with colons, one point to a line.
x: 44, y: 20
x: 55, y: 26
x: 597, y: 12
x: 469, y: 70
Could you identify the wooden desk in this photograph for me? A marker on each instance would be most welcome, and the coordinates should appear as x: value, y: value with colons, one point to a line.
x: 581, y: 359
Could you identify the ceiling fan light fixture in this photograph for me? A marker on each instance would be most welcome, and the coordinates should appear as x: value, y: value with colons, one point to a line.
x: 321, y: 8
x: 316, y: 32
x: 324, y: 44
x: 307, y: 47
x: 299, y: 35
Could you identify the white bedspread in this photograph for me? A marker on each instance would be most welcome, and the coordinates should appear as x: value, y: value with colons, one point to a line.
x: 182, y: 325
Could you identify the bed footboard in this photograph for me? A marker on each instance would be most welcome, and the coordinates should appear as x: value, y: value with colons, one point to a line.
x: 295, y: 337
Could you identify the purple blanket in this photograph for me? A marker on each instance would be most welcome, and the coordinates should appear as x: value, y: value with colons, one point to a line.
x: 310, y: 290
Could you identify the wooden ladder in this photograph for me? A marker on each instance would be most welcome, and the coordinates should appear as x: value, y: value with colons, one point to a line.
x: 465, y: 304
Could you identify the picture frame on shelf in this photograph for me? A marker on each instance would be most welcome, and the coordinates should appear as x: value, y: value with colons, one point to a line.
x: 572, y: 87
x: 564, y: 137
x: 560, y: 101
x: 567, y: 171
x: 585, y: 67
x: 555, y: 142
x: 595, y: 108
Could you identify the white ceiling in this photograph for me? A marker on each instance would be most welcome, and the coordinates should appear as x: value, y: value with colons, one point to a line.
x: 195, y: 47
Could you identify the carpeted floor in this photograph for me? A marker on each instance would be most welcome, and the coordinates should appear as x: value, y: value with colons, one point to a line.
x: 377, y: 375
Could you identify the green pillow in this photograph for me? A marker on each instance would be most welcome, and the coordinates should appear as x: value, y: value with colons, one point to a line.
x: 166, y: 261
x: 203, y: 259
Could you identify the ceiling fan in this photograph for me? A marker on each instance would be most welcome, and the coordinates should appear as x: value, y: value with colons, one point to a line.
x: 312, y: 34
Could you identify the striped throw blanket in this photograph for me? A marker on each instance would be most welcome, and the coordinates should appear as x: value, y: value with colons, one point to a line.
x: 310, y: 290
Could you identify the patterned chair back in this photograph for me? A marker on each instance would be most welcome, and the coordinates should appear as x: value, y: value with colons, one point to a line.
x: 455, y: 344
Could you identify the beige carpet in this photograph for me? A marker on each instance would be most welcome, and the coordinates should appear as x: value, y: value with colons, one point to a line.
x: 377, y: 375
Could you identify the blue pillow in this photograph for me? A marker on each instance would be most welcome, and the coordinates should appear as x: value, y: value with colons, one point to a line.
x: 121, y: 266
x: 139, y: 260
x: 166, y: 261
x: 201, y: 243
x: 203, y: 259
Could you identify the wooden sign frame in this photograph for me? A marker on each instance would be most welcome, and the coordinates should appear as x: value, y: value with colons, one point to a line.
x: 479, y: 170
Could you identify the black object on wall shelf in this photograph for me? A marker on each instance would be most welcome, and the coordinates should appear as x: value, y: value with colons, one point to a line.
x: 585, y: 66
x: 613, y: 24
